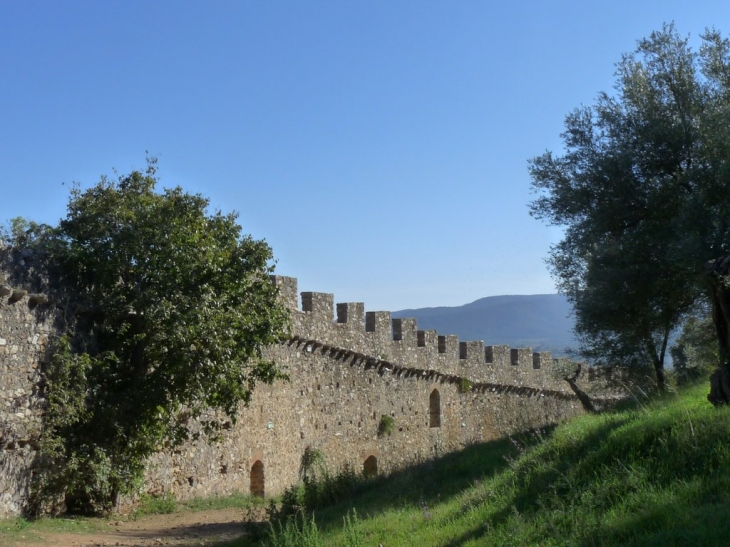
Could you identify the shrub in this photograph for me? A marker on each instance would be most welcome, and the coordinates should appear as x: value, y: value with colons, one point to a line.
x: 386, y: 425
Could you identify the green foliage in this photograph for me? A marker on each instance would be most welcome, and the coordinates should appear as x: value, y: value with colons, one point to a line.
x: 642, y: 193
x: 301, y: 531
x: 155, y: 505
x: 386, y: 425
x: 313, y: 493
x: 8, y: 526
x: 354, y: 535
x: 23, y: 234
x: 21, y: 531
x: 87, y: 472
x: 170, y: 308
x: 696, y: 352
x: 465, y: 385
x: 166, y: 504
x: 312, y: 464
x: 294, y: 531
x: 233, y: 501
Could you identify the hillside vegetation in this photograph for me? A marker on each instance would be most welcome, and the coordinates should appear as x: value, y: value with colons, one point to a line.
x: 653, y: 474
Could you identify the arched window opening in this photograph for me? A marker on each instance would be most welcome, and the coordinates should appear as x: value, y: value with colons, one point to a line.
x: 257, y: 479
x: 370, y: 467
x: 434, y: 406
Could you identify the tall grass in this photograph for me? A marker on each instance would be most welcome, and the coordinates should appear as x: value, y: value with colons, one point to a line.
x: 654, y: 474
x: 298, y: 530
x: 295, y: 530
x: 166, y: 504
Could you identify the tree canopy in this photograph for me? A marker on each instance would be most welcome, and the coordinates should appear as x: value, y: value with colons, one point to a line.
x: 643, y: 192
x: 169, y: 308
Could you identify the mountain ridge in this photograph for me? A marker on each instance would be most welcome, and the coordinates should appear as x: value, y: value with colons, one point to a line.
x: 540, y: 321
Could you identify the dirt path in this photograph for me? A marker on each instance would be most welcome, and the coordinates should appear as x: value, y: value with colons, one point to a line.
x: 184, y: 529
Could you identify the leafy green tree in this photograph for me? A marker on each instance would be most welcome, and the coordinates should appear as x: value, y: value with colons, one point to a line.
x: 22, y: 233
x: 642, y: 192
x: 170, y: 308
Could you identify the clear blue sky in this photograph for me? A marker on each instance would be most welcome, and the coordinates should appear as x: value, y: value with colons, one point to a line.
x: 380, y: 147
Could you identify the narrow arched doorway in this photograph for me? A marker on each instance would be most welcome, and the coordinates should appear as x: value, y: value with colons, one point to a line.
x: 434, y: 409
x: 370, y: 467
x: 257, y: 479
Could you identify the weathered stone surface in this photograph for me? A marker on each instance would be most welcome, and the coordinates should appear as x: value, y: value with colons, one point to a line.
x: 23, y: 339
x: 17, y: 294
x: 37, y: 298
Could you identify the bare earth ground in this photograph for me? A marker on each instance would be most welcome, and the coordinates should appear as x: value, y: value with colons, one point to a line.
x: 184, y: 529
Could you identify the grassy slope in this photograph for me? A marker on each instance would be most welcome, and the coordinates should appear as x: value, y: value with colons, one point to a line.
x: 656, y: 474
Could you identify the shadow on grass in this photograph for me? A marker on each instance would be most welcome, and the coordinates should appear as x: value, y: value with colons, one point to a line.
x: 688, y: 515
x: 622, y: 484
x: 428, y: 483
x: 531, y: 484
x: 554, y: 475
x: 184, y: 535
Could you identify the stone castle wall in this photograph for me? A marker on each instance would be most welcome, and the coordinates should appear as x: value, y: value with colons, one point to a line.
x: 345, y: 374
x: 26, y: 323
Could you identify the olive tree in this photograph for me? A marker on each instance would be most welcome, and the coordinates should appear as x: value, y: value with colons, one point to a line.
x: 642, y: 191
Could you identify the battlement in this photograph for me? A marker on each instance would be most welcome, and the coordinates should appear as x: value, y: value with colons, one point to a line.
x: 377, y: 334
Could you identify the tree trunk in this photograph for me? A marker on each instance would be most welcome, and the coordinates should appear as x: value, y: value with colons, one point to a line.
x: 658, y: 360
x: 583, y: 397
x: 719, y: 387
x: 660, y: 379
x: 719, y: 272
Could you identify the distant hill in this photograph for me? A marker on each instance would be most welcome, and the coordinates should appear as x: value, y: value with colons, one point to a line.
x: 539, y: 321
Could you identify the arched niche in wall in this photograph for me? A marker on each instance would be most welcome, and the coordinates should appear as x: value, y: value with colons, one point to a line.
x: 257, y: 479
x: 434, y: 409
x: 370, y: 466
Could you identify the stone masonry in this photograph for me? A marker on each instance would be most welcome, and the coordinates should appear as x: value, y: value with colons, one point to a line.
x: 347, y: 370
x: 25, y: 327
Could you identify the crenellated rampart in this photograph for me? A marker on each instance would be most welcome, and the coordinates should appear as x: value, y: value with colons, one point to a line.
x: 347, y: 369
x: 398, y: 341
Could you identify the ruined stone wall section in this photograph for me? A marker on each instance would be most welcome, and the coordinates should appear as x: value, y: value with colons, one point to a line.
x: 398, y: 341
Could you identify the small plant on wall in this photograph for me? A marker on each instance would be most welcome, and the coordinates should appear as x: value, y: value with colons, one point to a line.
x: 312, y: 464
x: 385, y: 427
x: 465, y: 385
